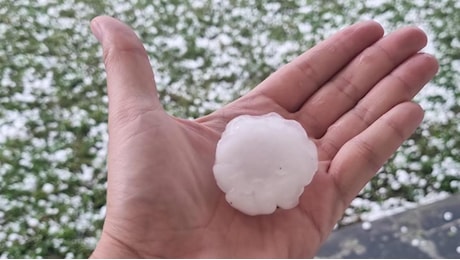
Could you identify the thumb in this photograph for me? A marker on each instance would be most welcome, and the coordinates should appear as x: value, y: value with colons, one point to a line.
x: 130, y: 81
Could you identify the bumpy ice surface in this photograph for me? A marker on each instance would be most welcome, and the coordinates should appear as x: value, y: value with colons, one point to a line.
x: 263, y: 162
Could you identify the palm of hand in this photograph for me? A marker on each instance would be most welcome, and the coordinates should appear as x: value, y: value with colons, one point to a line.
x: 180, y: 202
x: 162, y: 196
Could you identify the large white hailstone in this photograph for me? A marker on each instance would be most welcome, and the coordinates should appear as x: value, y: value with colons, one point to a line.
x: 263, y: 162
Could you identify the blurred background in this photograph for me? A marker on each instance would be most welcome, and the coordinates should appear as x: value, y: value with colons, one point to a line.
x: 205, y: 53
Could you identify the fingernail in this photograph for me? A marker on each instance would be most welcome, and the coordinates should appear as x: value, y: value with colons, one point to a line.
x: 97, y: 31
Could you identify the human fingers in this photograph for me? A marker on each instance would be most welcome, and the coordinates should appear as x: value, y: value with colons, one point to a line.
x: 342, y: 92
x: 399, y: 86
x: 130, y: 80
x: 362, y: 156
x: 295, y: 82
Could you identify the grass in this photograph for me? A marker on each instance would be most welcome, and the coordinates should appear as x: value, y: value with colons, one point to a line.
x: 53, y: 104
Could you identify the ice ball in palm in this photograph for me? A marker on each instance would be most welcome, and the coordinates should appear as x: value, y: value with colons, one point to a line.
x: 264, y: 162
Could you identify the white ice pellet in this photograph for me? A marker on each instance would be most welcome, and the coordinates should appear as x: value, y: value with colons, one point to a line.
x: 263, y: 162
x: 447, y: 216
x: 403, y: 229
x: 366, y: 225
x: 32, y: 222
x: 48, y: 188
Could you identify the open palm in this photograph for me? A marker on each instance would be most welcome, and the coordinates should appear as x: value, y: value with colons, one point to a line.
x: 351, y: 93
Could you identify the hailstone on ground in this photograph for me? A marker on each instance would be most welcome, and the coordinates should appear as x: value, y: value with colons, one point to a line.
x: 264, y: 162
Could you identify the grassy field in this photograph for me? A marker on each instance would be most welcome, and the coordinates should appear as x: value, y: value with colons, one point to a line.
x: 53, y: 104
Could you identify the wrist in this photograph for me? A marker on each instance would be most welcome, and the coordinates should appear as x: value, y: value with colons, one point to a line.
x: 110, y: 247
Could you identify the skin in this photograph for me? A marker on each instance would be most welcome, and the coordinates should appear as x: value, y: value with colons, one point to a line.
x: 352, y: 93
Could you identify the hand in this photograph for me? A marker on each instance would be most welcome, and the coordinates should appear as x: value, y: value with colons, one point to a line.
x: 352, y: 93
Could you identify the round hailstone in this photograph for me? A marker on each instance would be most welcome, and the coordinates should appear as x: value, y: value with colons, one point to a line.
x: 263, y: 162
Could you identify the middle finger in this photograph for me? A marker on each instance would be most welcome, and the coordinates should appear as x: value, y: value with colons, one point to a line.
x: 343, y: 91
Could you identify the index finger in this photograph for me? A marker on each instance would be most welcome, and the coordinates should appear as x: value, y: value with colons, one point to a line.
x: 295, y: 82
